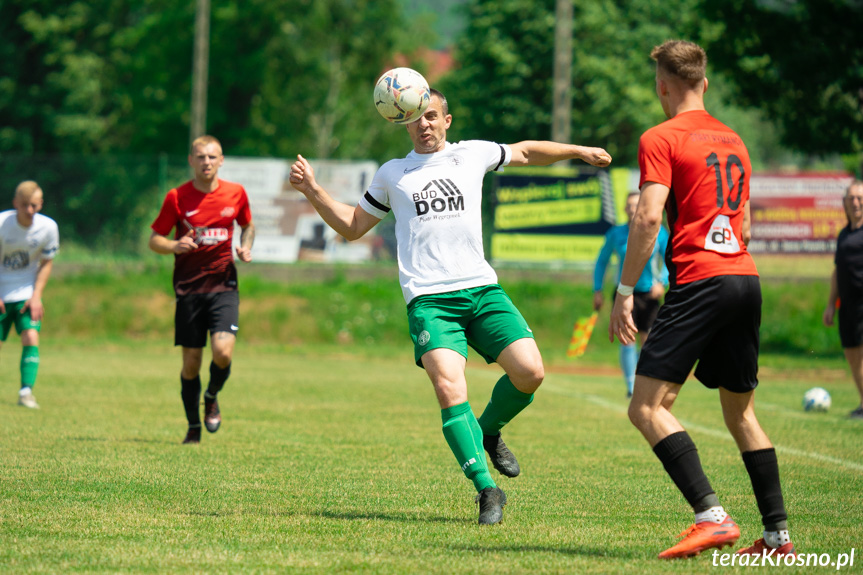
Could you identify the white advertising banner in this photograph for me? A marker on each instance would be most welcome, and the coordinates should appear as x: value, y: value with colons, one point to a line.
x: 287, y: 227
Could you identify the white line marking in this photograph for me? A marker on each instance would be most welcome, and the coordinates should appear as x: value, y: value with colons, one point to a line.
x: 719, y: 434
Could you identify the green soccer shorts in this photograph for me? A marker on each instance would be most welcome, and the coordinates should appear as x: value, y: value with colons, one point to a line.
x: 15, y: 316
x: 483, y: 317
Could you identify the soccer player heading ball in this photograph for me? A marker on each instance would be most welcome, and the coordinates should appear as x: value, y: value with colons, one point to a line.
x: 453, y: 299
x: 202, y: 212
x: 712, y: 311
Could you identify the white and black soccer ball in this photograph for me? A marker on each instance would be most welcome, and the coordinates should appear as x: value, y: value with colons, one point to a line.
x: 402, y: 95
x: 817, y: 399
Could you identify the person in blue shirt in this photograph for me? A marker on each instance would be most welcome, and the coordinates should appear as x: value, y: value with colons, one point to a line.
x: 648, y: 291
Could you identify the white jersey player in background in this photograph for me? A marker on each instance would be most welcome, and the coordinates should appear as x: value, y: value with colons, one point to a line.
x: 28, y: 244
x: 453, y: 300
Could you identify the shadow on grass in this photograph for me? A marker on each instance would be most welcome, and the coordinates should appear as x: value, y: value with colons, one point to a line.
x: 127, y: 440
x: 399, y: 517
x: 341, y: 516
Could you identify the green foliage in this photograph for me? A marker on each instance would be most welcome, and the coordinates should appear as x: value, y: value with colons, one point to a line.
x: 370, y: 312
x: 502, y: 87
x: 104, y: 202
x: 799, y: 62
x: 85, y: 76
x: 317, y: 74
x: 791, y: 322
x: 509, y: 56
x: 296, y: 75
x: 111, y: 75
x: 333, y: 461
x: 446, y: 17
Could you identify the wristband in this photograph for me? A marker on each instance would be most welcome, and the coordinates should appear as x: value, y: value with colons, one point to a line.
x: 625, y: 290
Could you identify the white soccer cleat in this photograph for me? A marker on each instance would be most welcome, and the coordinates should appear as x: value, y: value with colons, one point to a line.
x: 28, y: 400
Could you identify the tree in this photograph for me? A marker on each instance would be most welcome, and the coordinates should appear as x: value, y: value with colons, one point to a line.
x: 91, y: 77
x: 95, y: 95
x: 101, y: 76
x: 801, y: 61
x: 317, y: 76
x: 502, y: 89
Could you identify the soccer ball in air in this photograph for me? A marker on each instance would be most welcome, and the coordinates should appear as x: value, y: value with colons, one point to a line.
x: 816, y: 399
x: 402, y: 95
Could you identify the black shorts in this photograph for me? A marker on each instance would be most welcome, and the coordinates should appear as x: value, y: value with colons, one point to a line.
x: 850, y: 323
x: 714, y: 322
x: 644, y: 310
x: 199, y: 313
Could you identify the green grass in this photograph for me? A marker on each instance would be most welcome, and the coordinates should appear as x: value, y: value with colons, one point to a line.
x: 363, y: 306
x: 331, y: 459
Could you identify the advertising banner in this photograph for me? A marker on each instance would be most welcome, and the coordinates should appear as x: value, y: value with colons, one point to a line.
x: 799, y: 213
x: 546, y: 218
x: 287, y: 227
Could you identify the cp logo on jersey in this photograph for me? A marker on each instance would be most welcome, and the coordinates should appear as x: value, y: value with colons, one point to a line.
x: 720, y: 238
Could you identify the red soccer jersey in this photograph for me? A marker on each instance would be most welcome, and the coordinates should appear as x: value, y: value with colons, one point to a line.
x: 210, y: 268
x: 706, y: 166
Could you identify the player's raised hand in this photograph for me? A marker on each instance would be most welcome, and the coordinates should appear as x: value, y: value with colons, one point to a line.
x: 302, y: 175
x: 596, y: 157
x: 185, y: 244
x: 2, y: 307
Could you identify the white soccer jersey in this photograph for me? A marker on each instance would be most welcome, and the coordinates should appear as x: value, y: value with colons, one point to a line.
x: 21, y: 250
x: 436, y: 200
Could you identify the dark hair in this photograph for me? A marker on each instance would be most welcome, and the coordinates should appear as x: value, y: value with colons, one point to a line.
x: 443, y: 103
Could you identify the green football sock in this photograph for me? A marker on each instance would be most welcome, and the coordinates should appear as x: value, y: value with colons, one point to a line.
x: 506, y: 402
x: 29, y: 365
x: 464, y: 437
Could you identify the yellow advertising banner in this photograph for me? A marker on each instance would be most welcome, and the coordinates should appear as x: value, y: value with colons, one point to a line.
x: 545, y: 216
x: 545, y: 247
x: 542, y: 214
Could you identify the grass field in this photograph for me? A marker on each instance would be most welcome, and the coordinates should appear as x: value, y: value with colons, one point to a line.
x: 334, y: 461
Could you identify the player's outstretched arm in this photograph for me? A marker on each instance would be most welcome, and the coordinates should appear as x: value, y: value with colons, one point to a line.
x: 348, y: 221
x: 544, y: 152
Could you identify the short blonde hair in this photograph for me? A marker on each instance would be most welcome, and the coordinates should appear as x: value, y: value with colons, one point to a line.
x: 26, y: 190
x: 204, y: 141
x: 684, y: 60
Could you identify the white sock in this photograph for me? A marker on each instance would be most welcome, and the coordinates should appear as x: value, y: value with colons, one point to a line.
x: 713, y: 515
x: 776, y: 539
x: 25, y: 391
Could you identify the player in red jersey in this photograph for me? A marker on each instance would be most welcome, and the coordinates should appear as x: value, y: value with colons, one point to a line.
x: 202, y: 212
x: 698, y: 170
